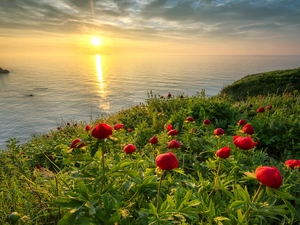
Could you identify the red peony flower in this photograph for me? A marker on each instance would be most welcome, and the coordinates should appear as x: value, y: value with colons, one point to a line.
x: 169, y: 127
x: 169, y: 95
x: 269, y: 107
x: 87, y: 127
x: 244, y: 143
x: 129, y: 130
x: 68, y: 123
x: 174, y: 144
x: 102, y: 131
x: 248, y: 129
x: 77, y: 143
x: 189, y: 119
x: 173, y: 132
x: 260, y: 110
x: 130, y: 148
x: 75, y: 124
x: 223, y: 152
x: 206, y: 122
x: 166, y: 161
x: 58, y: 128
x: 241, y: 122
x: 153, y: 140
x: 181, y: 96
x: 269, y: 176
x: 218, y: 131
x: 118, y: 126
x: 292, y: 163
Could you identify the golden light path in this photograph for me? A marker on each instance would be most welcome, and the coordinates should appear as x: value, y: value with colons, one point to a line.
x: 99, y: 70
x: 103, y: 104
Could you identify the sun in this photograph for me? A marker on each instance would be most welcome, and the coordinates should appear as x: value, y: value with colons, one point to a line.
x: 96, y: 41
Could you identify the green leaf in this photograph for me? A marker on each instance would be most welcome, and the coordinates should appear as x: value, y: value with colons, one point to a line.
x: 68, y: 219
x: 220, y: 218
x: 270, y: 192
x: 178, y: 170
x: 114, y: 217
x: 68, y: 202
x: 237, y: 204
x: 283, y: 195
x: 83, y: 158
x: 94, y: 149
x: 250, y: 175
x: 83, y: 190
x: 86, y: 221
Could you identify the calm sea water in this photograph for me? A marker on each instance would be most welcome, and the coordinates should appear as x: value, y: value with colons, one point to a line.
x: 41, y: 92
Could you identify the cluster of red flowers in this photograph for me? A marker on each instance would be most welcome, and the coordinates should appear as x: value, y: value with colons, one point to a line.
x: 262, y: 109
x: 269, y: 176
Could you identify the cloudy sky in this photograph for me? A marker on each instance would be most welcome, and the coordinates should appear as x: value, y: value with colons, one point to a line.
x: 203, y: 27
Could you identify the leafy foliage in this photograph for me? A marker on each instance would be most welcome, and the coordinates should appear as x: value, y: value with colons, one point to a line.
x: 46, y: 182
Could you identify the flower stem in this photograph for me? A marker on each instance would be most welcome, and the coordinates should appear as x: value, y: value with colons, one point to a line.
x: 158, y: 190
x: 261, y: 186
x: 245, y: 216
x: 102, y: 156
x: 217, y: 177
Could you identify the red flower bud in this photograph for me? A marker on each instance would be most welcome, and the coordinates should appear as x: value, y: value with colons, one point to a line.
x: 223, y: 152
x: 153, y: 140
x: 130, y: 148
x: 244, y: 143
x: 167, y: 161
x: 218, y: 131
x: 129, y: 130
x: 169, y: 127
x: 190, y: 119
x: 241, y: 122
x: 206, y: 122
x: 101, y: 131
x: 87, y: 127
x: 269, y: 107
x: 173, y: 132
x: 174, y: 144
x: 248, y: 129
x: 68, y: 123
x: 77, y: 143
x: 169, y: 95
x: 58, y: 128
x: 269, y: 176
x: 292, y: 163
x: 260, y: 109
x: 118, y: 126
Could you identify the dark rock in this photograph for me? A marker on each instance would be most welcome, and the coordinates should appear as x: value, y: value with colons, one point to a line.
x: 3, y: 71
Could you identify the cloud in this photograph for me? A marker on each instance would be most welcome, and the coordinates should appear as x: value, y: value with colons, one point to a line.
x: 155, y: 19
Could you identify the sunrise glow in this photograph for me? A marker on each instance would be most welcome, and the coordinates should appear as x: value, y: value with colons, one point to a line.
x: 96, y: 41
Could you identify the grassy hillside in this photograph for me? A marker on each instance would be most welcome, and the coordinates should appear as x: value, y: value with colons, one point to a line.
x: 45, y: 181
x: 273, y: 82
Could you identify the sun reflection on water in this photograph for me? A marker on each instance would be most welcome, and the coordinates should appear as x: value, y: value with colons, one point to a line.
x: 104, y: 104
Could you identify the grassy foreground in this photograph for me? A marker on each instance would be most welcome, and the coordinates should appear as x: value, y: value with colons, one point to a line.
x: 45, y: 182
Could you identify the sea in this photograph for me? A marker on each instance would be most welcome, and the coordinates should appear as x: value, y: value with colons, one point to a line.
x: 42, y: 92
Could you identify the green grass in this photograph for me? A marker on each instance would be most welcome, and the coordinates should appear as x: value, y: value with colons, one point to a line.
x: 273, y: 82
x: 46, y: 183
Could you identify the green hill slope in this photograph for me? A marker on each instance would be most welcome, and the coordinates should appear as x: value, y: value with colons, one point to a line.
x: 273, y: 82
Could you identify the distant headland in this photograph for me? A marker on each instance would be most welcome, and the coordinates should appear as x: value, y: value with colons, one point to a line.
x: 3, y: 70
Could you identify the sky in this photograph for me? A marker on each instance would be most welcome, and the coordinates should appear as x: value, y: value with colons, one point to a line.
x: 176, y: 27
